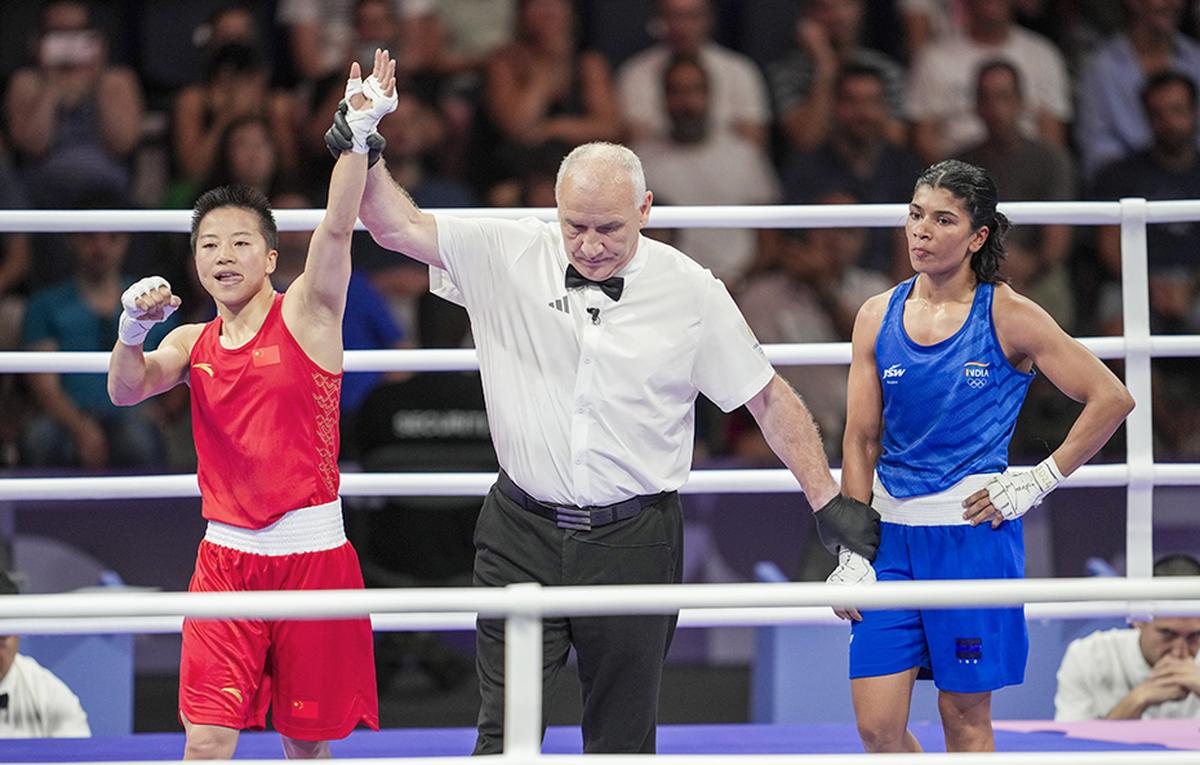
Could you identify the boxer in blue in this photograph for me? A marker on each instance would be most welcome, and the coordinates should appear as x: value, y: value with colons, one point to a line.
x: 939, y: 370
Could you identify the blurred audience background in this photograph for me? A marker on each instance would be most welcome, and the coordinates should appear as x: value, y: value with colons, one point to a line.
x: 793, y: 101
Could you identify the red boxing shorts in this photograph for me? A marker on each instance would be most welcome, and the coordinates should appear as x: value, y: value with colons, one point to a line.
x: 317, y: 676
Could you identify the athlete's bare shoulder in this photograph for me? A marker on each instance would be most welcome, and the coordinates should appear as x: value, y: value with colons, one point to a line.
x: 180, y: 342
x: 876, y: 305
x: 1013, y: 310
x: 185, y: 335
x: 1023, y: 326
x: 871, y: 313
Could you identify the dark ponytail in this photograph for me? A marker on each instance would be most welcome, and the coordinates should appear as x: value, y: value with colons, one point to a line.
x: 976, y: 190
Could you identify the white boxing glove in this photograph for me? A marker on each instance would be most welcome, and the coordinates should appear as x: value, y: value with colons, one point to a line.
x: 363, y: 121
x: 136, y: 322
x: 852, y: 569
x: 1014, y: 492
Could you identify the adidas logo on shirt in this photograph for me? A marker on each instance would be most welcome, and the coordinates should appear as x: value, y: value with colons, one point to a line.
x: 561, y: 304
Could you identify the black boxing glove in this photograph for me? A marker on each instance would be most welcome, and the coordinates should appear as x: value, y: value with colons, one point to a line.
x: 339, y: 137
x: 849, y: 523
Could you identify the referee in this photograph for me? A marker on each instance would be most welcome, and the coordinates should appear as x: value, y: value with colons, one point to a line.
x: 593, y: 343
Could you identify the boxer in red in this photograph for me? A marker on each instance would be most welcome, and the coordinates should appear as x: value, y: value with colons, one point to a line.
x: 265, y: 376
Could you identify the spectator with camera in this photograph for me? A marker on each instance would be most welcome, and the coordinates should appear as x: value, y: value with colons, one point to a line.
x: 74, y: 118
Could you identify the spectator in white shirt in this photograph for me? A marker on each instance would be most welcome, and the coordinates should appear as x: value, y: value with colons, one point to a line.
x: 696, y: 165
x: 739, y: 93
x: 33, y: 702
x: 1149, y: 671
x: 594, y: 342
x: 941, y: 89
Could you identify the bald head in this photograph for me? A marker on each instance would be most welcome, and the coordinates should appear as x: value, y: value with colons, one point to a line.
x: 602, y: 207
x: 601, y: 165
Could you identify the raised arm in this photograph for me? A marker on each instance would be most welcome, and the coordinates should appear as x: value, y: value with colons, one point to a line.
x: 600, y: 120
x: 316, y: 300
x: 31, y: 106
x: 320, y: 291
x: 387, y: 210
x: 517, y: 107
x: 121, y: 108
x: 195, y: 138
x: 395, y: 221
x: 806, y: 118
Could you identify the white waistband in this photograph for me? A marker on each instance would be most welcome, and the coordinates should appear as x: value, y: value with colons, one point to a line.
x: 943, y: 508
x: 309, y: 529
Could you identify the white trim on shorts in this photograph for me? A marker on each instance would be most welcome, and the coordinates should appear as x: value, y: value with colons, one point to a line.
x: 942, y: 508
x: 309, y: 529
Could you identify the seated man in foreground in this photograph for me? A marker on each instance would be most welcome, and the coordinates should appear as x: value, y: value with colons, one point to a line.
x: 1146, y: 671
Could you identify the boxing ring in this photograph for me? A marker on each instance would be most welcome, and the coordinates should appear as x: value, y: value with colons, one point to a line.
x: 700, y: 605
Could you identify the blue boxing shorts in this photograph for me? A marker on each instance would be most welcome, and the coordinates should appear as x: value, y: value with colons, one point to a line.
x: 967, y: 650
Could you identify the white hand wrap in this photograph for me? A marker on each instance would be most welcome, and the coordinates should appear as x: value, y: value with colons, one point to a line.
x: 852, y: 569
x: 133, y: 328
x: 1015, y: 492
x: 363, y: 121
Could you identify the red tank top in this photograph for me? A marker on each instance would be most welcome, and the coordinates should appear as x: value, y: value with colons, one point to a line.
x: 265, y: 422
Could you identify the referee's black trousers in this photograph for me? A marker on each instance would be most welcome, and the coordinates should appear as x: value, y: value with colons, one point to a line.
x: 620, y: 657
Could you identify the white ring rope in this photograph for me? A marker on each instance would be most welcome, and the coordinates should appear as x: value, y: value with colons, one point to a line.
x: 465, y: 359
x: 689, y: 618
x: 699, y: 216
x: 530, y: 599
x: 760, y: 216
x: 738, y: 481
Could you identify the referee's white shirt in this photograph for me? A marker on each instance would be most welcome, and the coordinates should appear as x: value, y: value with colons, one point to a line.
x: 590, y: 412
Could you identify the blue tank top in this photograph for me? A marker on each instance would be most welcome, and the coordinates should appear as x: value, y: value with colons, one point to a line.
x: 948, y: 409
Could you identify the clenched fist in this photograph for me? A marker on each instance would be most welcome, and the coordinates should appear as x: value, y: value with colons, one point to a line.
x: 147, y: 302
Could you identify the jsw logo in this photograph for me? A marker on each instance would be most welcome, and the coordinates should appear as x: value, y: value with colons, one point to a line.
x: 895, y: 370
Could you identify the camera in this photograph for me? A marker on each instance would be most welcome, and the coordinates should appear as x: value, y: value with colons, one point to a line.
x: 70, y: 48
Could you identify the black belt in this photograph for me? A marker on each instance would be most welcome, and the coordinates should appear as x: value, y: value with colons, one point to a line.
x: 577, y: 518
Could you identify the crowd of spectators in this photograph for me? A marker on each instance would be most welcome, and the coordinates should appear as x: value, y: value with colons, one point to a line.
x: 121, y: 103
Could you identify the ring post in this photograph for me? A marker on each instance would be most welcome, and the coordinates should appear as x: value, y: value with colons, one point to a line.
x: 1139, y: 434
x: 523, y: 672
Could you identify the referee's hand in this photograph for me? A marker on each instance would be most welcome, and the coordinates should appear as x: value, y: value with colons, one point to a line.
x: 846, y: 522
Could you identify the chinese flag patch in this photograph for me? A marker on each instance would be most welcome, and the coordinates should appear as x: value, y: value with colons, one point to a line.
x: 305, y: 710
x: 265, y: 357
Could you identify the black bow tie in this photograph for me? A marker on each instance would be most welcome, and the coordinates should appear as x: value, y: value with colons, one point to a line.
x: 613, y: 286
